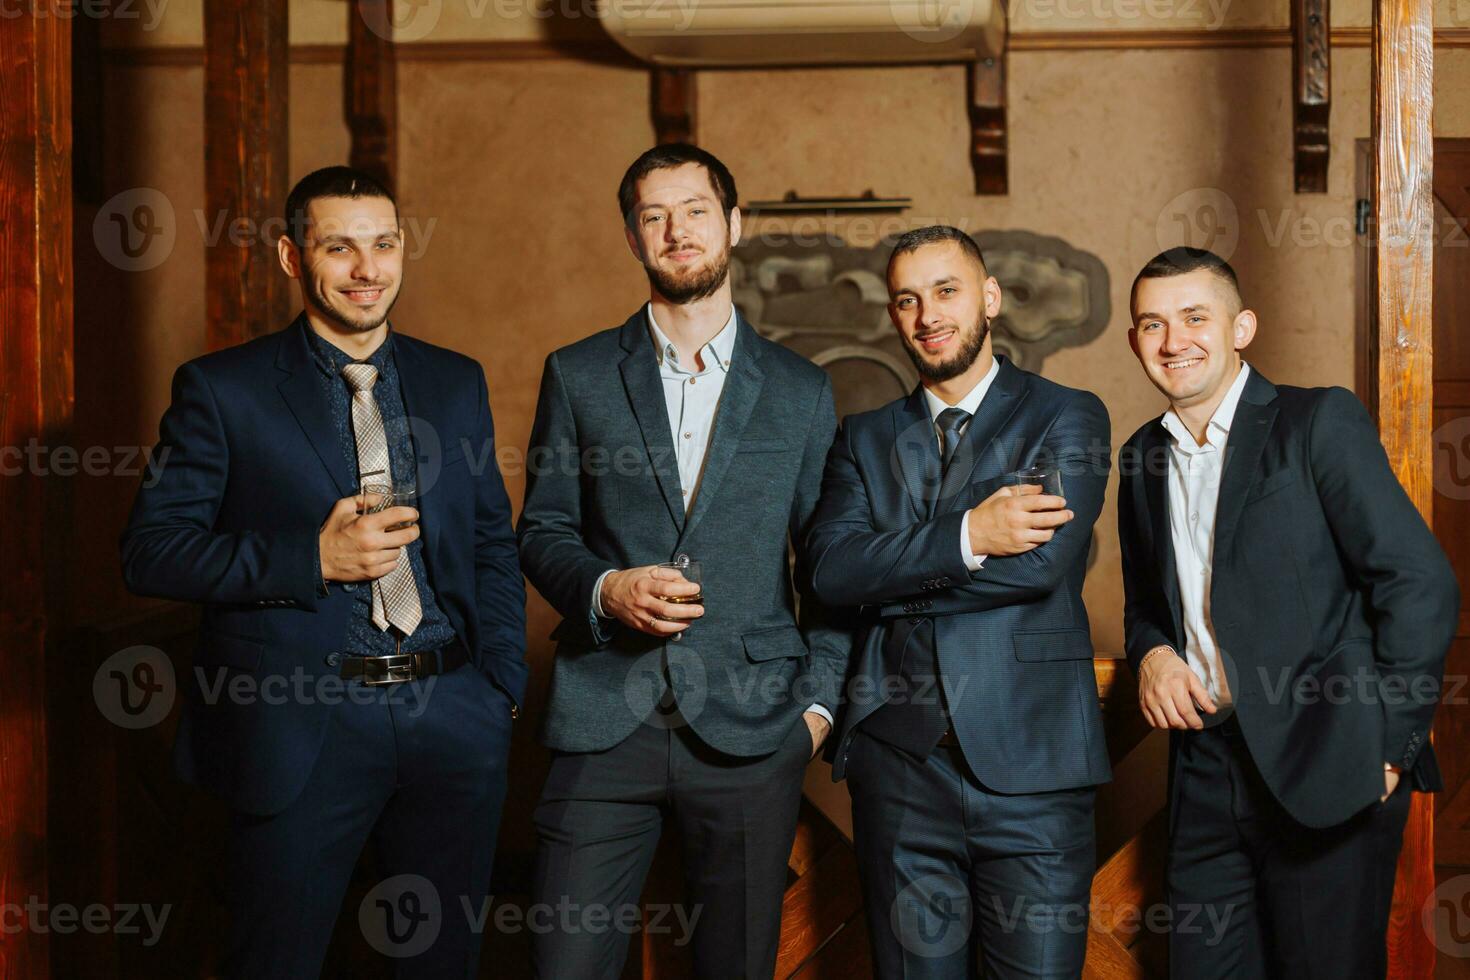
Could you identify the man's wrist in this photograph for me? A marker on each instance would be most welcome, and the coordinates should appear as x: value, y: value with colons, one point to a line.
x: 598, y: 609
x: 1154, y: 654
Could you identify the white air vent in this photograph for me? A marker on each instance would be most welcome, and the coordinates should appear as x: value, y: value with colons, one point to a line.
x: 716, y: 33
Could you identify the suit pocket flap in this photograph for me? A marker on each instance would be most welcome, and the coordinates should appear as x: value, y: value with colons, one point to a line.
x: 1044, y: 645
x: 223, y: 650
x: 1272, y: 483
x: 774, y: 644
x: 763, y: 445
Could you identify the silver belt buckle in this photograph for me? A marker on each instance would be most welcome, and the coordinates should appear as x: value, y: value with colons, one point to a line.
x: 396, y: 669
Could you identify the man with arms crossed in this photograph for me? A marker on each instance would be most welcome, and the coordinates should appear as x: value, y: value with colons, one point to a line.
x: 971, y: 740
x: 681, y: 435
x: 401, y: 658
x: 1288, y: 614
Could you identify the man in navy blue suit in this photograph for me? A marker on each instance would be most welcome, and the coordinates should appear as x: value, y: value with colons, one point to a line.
x: 971, y: 738
x: 357, y: 672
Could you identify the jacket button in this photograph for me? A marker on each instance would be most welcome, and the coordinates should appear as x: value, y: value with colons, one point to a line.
x: 334, y: 659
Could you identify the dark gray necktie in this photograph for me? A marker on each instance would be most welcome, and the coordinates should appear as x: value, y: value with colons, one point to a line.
x: 950, y: 422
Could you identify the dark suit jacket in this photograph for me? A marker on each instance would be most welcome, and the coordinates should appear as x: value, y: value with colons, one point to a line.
x: 254, y: 466
x: 1012, y: 639
x: 1330, y: 599
x: 603, y: 492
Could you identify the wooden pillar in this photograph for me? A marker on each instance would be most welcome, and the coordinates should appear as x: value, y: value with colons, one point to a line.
x: 245, y: 168
x: 1403, y: 103
x: 370, y: 78
x: 36, y: 399
x: 988, y: 137
x: 1311, y: 93
x: 673, y: 97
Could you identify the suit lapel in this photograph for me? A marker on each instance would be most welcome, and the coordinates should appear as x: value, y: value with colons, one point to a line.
x: 646, y: 395
x: 737, y: 400
x: 917, y: 447
x: 1156, y: 463
x: 303, y: 393
x: 425, y: 422
x: 1006, y: 394
x: 1249, y: 430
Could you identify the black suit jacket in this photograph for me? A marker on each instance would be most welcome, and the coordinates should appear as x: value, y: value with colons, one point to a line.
x: 254, y: 465
x: 1012, y: 639
x: 1331, y: 601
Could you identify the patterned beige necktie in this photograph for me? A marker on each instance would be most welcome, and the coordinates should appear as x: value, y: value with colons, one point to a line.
x: 395, y: 595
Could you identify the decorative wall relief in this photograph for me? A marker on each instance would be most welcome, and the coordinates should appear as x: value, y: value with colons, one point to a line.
x: 828, y: 301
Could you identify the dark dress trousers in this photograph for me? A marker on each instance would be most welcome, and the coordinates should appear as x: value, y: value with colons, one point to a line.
x: 1333, y: 607
x: 311, y: 765
x: 706, y: 731
x: 954, y: 842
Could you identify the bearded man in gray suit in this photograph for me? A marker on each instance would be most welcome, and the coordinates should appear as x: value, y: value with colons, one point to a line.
x: 680, y: 437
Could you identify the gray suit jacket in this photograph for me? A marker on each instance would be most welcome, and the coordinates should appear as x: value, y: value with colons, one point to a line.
x: 603, y: 493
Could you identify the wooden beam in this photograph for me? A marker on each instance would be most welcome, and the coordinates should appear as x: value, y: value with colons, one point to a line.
x: 36, y: 399
x: 1403, y: 180
x: 370, y: 77
x: 1311, y: 71
x: 673, y: 93
x: 245, y: 167
x: 988, y: 134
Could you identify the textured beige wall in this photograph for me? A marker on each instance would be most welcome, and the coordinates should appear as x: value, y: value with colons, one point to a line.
x: 509, y: 171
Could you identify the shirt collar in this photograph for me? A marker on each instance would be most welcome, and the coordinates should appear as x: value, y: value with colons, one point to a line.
x: 331, y: 359
x: 971, y: 402
x: 1220, y: 422
x: 720, y: 349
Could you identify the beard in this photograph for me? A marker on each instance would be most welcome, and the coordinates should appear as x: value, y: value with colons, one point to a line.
x: 971, y: 343
x: 693, y: 285
x: 318, y: 292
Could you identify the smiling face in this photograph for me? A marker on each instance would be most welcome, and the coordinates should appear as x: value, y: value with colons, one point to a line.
x: 678, y: 231
x: 351, y: 261
x: 1188, y: 332
x: 942, y: 302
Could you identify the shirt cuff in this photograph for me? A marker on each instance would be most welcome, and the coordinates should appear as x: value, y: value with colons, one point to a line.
x: 817, y: 709
x: 597, y: 595
x: 973, y: 561
x: 316, y: 574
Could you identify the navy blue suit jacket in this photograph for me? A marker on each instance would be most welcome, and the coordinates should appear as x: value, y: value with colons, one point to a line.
x: 253, y: 468
x: 1013, y: 643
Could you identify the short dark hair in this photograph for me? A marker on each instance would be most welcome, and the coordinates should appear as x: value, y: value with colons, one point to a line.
x: 1181, y: 260
x: 666, y: 157
x: 329, y: 182
x: 912, y: 241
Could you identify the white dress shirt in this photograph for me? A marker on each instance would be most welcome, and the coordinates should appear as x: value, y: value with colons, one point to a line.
x: 1194, y: 492
x: 970, y: 403
x: 692, y: 397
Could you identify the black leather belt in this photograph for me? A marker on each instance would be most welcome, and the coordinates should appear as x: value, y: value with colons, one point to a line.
x: 402, y: 667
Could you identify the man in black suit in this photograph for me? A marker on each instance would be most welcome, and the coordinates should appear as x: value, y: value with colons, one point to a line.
x: 1288, y: 614
x: 353, y: 679
x: 971, y: 739
x: 680, y: 436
